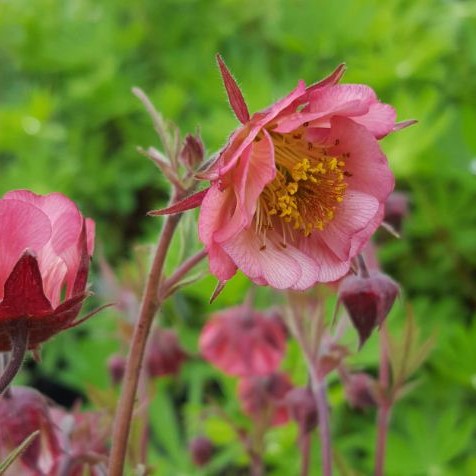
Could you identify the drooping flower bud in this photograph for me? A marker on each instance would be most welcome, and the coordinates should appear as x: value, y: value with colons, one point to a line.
x: 302, y: 408
x: 264, y: 397
x: 201, y: 450
x: 46, y: 245
x: 368, y: 300
x: 360, y: 390
x: 192, y: 152
x: 243, y: 342
x: 396, y: 209
x: 116, y: 366
x: 165, y: 355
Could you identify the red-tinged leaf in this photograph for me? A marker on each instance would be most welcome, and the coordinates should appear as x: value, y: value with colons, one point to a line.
x: 330, y: 80
x: 192, y: 201
x: 24, y: 295
x: 235, y: 97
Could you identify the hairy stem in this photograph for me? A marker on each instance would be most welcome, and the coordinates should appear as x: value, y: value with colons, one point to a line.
x: 149, y: 306
x: 385, y: 404
x: 19, y: 341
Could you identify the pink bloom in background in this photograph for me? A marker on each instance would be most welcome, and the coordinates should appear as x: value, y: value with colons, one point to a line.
x: 265, y: 397
x: 300, y: 187
x: 243, y: 342
x: 45, y: 249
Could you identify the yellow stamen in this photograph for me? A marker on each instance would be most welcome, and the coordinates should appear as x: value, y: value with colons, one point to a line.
x: 308, y: 187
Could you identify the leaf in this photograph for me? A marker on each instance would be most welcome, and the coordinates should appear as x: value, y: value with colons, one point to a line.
x: 9, y: 460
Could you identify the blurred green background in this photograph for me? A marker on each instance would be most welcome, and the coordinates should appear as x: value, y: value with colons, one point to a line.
x: 68, y: 122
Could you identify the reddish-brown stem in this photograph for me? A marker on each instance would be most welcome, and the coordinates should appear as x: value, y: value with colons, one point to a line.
x: 149, y: 307
x: 385, y: 404
x: 19, y: 341
x: 305, y: 447
x: 181, y: 271
x: 318, y: 387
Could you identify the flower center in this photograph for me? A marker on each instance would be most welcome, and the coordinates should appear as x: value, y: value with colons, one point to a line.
x: 308, y: 187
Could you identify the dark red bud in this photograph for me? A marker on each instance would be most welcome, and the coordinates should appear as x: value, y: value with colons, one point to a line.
x: 116, y: 366
x: 165, y: 355
x: 192, y: 152
x: 396, y: 209
x: 360, y: 391
x: 302, y: 408
x: 201, y: 450
x: 368, y: 301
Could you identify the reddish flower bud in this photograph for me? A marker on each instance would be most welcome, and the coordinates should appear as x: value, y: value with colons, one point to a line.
x: 46, y: 247
x: 302, y: 408
x: 396, y: 209
x: 360, y: 391
x: 264, y: 397
x: 201, y: 450
x: 192, y: 152
x: 165, y: 356
x: 368, y: 301
x: 243, y: 342
x: 116, y: 366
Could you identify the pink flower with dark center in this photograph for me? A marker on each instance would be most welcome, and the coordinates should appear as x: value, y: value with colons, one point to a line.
x: 243, y: 342
x: 263, y: 397
x: 45, y: 249
x: 299, y: 188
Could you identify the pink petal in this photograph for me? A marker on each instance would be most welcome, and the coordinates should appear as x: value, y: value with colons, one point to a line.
x: 367, y: 164
x: 330, y: 80
x: 377, y: 117
x: 255, y: 169
x: 329, y: 266
x: 235, y: 97
x: 214, y: 212
x: 352, y: 215
x: 245, y: 136
x: 280, y: 267
x: 24, y: 226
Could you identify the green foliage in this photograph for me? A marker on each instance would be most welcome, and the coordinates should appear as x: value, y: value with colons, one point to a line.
x: 69, y: 122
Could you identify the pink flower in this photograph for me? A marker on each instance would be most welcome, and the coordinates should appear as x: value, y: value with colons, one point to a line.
x: 264, y: 397
x: 243, y: 342
x: 45, y: 249
x: 300, y: 187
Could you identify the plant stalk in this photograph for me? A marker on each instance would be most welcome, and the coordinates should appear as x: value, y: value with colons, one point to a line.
x: 150, y: 305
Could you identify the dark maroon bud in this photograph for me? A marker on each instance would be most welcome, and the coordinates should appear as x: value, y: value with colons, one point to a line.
x: 360, y: 391
x: 192, y: 151
x: 368, y: 301
x: 116, y: 366
x: 201, y: 450
x: 302, y: 408
x: 165, y: 355
x: 396, y: 209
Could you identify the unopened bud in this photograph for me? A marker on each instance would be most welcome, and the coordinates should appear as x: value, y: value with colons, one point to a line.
x: 165, y: 355
x: 116, y: 366
x: 201, y: 450
x: 368, y: 301
x: 360, y: 391
x: 302, y: 408
x: 192, y: 151
x: 396, y: 209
